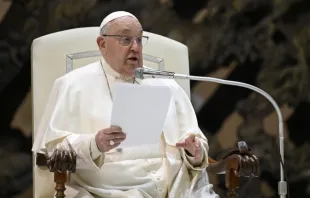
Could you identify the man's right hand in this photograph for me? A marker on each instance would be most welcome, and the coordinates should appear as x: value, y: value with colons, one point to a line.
x: 104, y: 137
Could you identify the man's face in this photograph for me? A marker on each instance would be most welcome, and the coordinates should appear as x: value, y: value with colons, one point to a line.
x: 122, y: 45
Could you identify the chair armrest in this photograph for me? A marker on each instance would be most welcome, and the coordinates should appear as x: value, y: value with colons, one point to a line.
x: 62, y: 163
x: 236, y: 163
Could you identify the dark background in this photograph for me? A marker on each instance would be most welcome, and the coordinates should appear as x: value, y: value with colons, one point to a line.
x: 265, y: 43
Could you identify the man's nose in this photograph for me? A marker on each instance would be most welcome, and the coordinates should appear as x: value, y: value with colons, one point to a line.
x: 135, y: 46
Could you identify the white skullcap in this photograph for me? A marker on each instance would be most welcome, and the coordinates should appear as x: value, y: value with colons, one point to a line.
x: 114, y: 15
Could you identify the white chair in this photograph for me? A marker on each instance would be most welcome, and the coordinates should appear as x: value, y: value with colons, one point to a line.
x: 55, y: 54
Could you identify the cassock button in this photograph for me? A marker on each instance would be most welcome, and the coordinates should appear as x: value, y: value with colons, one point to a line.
x: 158, y: 178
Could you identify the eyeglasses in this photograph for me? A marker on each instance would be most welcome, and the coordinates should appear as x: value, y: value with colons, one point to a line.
x: 127, y: 40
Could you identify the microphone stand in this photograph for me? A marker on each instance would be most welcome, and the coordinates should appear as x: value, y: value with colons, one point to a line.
x: 282, y: 185
x: 152, y: 73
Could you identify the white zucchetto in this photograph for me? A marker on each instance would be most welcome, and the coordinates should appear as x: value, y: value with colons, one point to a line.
x: 112, y: 16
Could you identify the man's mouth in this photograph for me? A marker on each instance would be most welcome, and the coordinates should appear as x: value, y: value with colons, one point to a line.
x: 133, y: 59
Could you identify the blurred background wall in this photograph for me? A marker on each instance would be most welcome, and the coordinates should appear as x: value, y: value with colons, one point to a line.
x: 265, y: 43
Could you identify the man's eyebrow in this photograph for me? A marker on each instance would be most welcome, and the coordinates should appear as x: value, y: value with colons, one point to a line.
x: 127, y: 31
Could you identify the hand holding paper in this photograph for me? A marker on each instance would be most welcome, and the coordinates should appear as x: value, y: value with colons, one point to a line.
x: 109, y: 138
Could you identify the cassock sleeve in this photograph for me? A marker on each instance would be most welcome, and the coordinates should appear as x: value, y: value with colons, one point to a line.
x: 188, y: 124
x: 60, y: 127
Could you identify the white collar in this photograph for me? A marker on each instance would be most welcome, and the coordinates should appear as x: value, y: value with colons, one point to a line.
x: 111, y: 72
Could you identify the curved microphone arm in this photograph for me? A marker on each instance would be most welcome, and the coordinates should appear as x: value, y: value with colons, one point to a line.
x: 282, y: 186
x: 146, y: 72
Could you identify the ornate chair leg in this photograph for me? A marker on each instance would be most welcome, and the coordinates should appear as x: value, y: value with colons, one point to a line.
x: 238, y: 162
x: 232, y: 183
x: 61, y: 163
x: 60, y: 179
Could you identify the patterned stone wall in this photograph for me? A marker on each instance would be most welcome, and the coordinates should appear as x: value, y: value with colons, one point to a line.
x: 261, y: 42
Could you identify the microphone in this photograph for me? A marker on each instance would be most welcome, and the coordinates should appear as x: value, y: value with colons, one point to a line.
x: 145, y: 72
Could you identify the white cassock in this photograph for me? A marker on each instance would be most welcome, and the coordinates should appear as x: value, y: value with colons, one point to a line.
x: 80, y: 105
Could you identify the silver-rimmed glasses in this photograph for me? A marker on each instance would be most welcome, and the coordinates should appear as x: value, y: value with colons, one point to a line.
x: 127, y: 40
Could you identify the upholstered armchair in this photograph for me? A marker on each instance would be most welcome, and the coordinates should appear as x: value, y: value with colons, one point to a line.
x: 55, y: 54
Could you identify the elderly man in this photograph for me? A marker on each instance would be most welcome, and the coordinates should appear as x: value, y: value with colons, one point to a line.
x: 78, y: 116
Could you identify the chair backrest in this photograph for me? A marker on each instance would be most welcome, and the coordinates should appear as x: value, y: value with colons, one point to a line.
x: 55, y: 54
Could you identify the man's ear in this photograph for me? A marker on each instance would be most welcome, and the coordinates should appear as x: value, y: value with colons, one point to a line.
x: 101, y: 42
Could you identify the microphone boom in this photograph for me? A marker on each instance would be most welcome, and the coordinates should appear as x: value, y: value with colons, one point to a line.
x: 146, y: 72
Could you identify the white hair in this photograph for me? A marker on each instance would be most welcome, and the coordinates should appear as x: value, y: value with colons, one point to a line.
x: 105, y: 28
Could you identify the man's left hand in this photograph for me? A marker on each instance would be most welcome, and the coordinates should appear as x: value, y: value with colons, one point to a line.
x: 192, y: 145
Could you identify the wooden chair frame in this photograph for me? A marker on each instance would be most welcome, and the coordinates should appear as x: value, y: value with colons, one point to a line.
x: 236, y: 163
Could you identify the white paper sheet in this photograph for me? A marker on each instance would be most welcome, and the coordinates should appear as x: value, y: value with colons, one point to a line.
x: 140, y: 110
